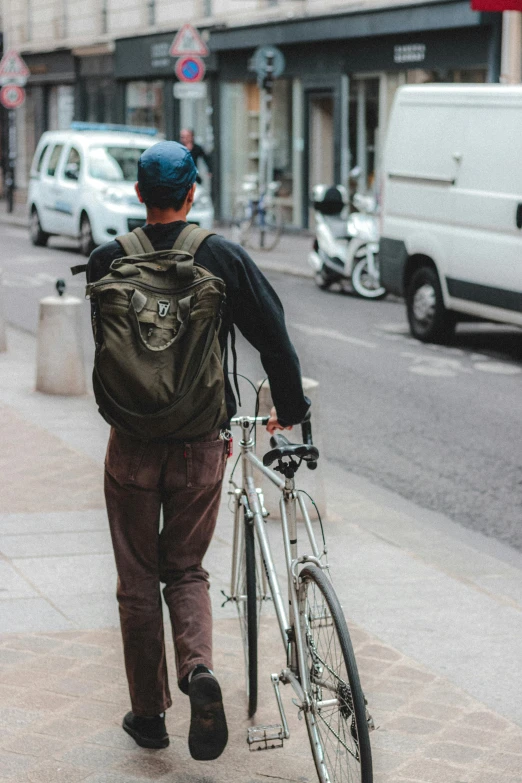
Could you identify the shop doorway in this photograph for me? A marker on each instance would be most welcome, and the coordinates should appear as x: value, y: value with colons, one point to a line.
x: 364, y: 130
x: 321, y: 142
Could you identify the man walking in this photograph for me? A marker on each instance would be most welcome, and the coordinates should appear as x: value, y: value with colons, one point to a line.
x: 182, y: 479
x: 186, y: 138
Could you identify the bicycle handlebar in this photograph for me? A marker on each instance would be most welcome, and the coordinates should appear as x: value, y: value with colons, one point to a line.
x: 306, y: 430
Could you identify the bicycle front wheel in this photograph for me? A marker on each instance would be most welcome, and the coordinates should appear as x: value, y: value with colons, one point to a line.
x: 248, y: 613
x: 241, y: 224
x: 336, y: 723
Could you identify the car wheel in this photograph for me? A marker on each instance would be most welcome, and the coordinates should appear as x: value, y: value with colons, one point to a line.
x: 86, y: 240
x: 429, y: 319
x: 38, y: 237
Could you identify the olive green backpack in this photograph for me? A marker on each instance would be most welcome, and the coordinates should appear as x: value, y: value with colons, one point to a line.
x: 158, y: 369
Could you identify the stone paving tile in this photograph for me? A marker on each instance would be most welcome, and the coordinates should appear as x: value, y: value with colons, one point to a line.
x: 454, y: 753
x: 51, y: 476
x: 67, y: 728
x: 424, y: 771
x: 95, y: 757
x: 417, y: 740
x: 56, y: 772
x: 15, y: 766
x: 33, y: 744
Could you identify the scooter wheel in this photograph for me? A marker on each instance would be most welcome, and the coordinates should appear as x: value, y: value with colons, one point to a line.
x: 364, y: 284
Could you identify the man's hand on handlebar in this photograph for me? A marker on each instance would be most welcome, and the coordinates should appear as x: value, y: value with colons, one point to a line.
x: 273, y: 423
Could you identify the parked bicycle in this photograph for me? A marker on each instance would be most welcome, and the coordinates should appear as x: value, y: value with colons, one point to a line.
x: 258, y: 218
x: 319, y: 662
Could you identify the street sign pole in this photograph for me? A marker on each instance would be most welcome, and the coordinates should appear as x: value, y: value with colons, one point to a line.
x: 266, y: 152
x: 11, y: 160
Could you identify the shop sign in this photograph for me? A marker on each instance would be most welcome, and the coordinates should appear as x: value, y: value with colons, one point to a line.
x: 12, y: 96
x: 190, y: 69
x: 188, y: 41
x: 13, y: 70
x: 409, y: 53
x: 160, y: 55
x: 496, y: 5
x: 190, y: 90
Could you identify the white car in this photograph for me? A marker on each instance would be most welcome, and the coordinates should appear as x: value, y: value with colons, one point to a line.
x: 82, y: 185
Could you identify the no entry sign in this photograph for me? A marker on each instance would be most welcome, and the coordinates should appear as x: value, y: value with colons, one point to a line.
x: 190, y: 68
x: 12, y: 96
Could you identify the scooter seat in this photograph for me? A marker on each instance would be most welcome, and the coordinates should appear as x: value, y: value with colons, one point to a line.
x: 338, y: 226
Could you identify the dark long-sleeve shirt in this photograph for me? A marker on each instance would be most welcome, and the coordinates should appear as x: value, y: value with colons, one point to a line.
x: 251, y: 304
x: 198, y: 152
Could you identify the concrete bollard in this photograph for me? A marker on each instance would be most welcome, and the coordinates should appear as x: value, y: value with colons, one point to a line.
x: 3, y: 338
x: 310, y: 481
x: 60, y: 368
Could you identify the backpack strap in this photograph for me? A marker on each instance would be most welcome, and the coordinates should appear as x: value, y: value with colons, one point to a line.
x: 191, y: 238
x: 136, y: 243
x: 78, y: 269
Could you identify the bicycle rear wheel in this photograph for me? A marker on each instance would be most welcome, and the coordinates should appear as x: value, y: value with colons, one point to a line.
x: 337, y: 724
x: 247, y: 605
x: 267, y: 228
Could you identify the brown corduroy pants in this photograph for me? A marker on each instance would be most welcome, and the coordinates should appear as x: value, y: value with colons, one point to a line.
x: 184, y: 480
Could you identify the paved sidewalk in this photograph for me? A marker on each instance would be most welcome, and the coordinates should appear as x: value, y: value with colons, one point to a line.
x: 435, y: 616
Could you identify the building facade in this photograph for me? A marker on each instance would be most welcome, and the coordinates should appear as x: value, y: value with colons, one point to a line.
x: 109, y: 61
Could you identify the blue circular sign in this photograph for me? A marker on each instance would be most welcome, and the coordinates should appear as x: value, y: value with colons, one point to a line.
x: 190, y: 69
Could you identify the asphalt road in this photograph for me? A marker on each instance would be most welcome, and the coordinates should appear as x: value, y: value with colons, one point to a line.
x: 438, y: 425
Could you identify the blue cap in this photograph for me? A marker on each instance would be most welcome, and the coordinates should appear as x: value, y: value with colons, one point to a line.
x: 167, y: 165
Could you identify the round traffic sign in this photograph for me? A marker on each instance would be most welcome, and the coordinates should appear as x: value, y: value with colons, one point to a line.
x: 260, y: 57
x: 12, y: 96
x: 190, y: 68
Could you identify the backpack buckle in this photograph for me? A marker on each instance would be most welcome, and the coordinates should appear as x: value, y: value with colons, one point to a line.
x: 163, y: 308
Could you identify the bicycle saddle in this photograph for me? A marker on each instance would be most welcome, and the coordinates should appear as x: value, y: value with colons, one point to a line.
x: 281, y: 447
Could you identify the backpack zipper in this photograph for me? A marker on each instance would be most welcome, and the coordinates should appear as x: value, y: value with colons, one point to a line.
x: 165, y: 291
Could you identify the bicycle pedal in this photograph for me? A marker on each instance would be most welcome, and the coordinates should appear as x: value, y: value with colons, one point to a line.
x: 265, y: 737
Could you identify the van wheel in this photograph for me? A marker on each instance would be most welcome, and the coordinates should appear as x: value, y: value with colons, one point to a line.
x: 38, y: 237
x: 86, y: 240
x: 429, y: 320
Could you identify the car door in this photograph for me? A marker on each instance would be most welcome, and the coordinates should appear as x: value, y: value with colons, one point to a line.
x: 49, y: 191
x: 68, y: 190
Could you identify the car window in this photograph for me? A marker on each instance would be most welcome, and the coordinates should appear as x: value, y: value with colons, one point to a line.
x: 38, y: 166
x: 115, y: 164
x: 73, y: 164
x: 53, y: 160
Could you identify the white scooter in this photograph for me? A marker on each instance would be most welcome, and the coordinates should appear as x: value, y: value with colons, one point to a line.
x: 346, y: 247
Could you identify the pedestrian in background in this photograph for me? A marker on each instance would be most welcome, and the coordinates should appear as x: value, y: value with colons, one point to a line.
x: 186, y: 138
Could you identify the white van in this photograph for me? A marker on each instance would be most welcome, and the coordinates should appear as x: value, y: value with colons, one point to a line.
x: 451, y: 218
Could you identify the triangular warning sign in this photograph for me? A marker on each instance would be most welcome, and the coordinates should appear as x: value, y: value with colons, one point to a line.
x: 188, y: 41
x: 13, y: 68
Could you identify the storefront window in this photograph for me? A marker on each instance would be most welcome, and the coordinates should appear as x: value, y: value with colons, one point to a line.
x: 144, y: 105
x: 241, y: 125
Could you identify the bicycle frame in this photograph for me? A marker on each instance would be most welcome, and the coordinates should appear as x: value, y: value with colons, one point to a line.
x: 289, y: 624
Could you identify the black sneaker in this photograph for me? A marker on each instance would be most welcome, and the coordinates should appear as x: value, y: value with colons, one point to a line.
x: 146, y: 732
x: 208, y: 734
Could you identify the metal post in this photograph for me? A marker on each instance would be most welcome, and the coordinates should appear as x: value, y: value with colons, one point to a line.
x: 511, y: 57
x: 11, y: 160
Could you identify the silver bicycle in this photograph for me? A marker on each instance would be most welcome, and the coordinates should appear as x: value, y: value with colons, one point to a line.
x: 319, y: 659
